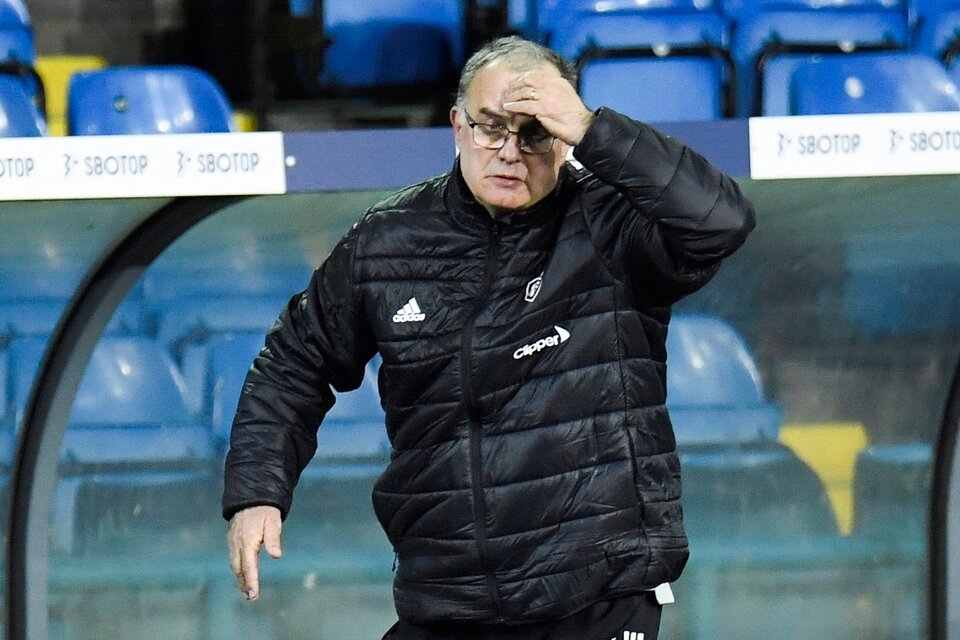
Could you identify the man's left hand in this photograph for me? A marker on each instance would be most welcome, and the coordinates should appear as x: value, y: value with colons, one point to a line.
x: 547, y: 96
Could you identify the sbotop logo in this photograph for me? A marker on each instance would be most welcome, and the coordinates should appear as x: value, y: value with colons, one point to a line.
x: 561, y: 336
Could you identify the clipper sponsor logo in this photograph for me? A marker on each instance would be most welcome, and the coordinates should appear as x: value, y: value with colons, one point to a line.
x: 561, y: 336
x: 630, y: 635
x: 409, y: 312
x: 533, y: 288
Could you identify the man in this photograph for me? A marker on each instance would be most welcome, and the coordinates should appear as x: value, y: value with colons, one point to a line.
x: 520, y: 305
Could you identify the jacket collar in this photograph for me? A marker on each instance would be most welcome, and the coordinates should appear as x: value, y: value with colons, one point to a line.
x: 462, y: 204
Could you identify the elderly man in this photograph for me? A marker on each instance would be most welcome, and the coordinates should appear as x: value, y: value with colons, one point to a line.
x: 520, y: 305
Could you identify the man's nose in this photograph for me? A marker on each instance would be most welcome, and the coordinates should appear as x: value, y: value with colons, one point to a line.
x: 510, y: 151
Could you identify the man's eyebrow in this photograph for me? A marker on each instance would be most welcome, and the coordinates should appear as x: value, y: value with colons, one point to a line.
x: 493, y: 114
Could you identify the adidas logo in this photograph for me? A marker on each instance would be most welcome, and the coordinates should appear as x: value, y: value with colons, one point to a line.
x: 555, y: 340
x: 629, y: 635
x: 409, y: 312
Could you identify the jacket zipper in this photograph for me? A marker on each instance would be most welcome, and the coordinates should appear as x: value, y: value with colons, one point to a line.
x: 476, y: 425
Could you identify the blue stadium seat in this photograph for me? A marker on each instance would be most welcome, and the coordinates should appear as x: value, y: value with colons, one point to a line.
x: 18, y: 54
x: 353, y: 429
x: 146, y: 100
x: 767, y: 45
x: 714, y: 392
x: 538, y: 19
x: 891, y: 491
x: 131, y: 451
x: 389, y: 43
x: 579, y: 29
x: 687, y: 88
x: 622, y: 53
x: 939, y: 36
x: 872, y: 83
x: 19, y: 115
x: 16, y: 32
x: 752, y: 491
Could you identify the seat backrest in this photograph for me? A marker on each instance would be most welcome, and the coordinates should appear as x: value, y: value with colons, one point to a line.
x: 891, y: 491
x: 714, y: 392
x: 766, y: 45
x: 939, y: 35
x: 737, y: 9
x: 130, y: 407
x: 761, y: 491
x: 16, y: 32
x: 19, y: 115
x: 686, y: 88
x: 146, y: 100
x: 391, y: 43
x: 872, y: 83
x: 576, y: 31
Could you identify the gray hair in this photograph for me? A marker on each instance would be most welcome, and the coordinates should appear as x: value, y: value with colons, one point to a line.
x: 519, y: 54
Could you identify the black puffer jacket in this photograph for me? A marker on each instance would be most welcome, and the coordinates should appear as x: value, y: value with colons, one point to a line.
x: 523, y: 378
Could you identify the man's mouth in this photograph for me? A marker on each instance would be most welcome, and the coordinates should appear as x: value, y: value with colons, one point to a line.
x: 505, y: 180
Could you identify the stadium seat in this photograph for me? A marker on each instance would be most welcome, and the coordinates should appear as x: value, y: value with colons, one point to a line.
x: 939, y: 36
x: 16, y: 32
x: 623, y: 53
x: 131, y: 451
x: 19, y: 115
x: 714, y: 392
x: 389, y: 43
x: 752, y: 491
x: 872, y: 83
x: 354, y: 427
x: 891, y: 489
x: 146, y: 100
x: 768, y: 43
x: 687, y: 88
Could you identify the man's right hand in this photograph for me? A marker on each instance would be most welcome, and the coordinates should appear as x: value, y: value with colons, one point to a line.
x: 247, y: 531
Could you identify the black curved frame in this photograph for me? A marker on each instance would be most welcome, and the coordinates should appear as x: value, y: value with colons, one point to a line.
x: 944, y: 457
x: 34, y: 471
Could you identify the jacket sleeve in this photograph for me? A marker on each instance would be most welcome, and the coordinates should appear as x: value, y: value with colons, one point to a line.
x: 319, y: 341
x: 670, y: 217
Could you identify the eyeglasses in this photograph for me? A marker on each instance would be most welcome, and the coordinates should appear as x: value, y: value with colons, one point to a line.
x: 532, y: 137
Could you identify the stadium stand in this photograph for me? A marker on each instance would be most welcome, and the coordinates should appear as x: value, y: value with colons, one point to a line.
x: 146, y: 99
x: 872, y: 83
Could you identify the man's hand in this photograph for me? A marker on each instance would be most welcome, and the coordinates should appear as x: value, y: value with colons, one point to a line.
x: 545, y: 95
x: 248, y: 529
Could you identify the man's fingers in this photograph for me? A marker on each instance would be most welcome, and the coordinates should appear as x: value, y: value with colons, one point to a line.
x: 248, y: 530
x: 271, y: 536
x: 250, y: 576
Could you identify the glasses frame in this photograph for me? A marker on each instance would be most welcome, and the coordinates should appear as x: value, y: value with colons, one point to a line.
x: 521, y: 140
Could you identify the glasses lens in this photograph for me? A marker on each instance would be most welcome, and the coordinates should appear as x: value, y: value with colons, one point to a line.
x: 489, y: 135
x: 536, y: 141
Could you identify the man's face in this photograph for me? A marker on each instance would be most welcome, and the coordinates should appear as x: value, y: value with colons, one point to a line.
x: 504, y: 179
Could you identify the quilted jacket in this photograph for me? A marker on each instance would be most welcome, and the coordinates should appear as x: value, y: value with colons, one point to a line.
x: 533, y: 468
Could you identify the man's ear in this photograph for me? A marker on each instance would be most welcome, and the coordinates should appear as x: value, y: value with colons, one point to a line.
x: 454, y: 120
